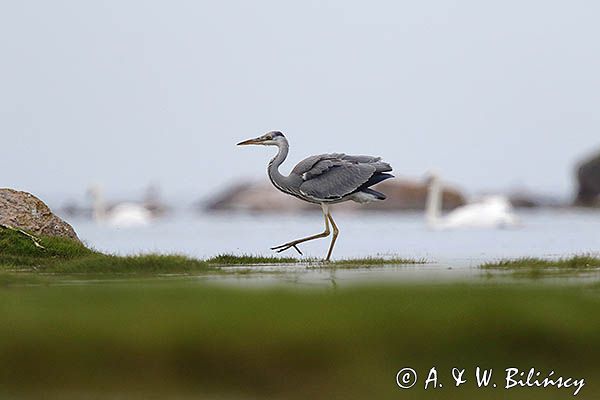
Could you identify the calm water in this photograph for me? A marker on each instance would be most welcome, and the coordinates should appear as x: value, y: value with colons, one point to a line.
x: 450, y: 254
x: 546, y: 233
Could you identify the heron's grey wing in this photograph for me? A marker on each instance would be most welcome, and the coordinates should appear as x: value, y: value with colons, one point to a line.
x: 361, y: 159
x: 333, y: 178
x: 381, y: 166
x: 307, y: 164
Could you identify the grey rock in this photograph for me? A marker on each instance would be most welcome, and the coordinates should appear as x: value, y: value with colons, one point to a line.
x: 25, y: 211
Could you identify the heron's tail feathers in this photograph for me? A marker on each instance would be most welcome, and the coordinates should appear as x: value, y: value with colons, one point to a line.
x: 364, y: 194
x: 377, y: 195
x: 377, y: 178
x: 367, y: 196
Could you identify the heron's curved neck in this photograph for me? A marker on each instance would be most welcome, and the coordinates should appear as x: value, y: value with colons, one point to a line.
x: 273, y: 168
x: 433, y: 208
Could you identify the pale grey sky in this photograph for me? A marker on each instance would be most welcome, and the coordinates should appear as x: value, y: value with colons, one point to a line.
x: 492, y: 94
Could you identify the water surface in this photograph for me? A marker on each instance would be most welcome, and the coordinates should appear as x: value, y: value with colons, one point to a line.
x: 450, y: 254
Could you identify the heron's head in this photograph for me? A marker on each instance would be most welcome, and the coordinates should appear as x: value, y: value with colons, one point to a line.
x: 272, y: 138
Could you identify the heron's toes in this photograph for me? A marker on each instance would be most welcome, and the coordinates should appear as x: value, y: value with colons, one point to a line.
x: 285, y: 247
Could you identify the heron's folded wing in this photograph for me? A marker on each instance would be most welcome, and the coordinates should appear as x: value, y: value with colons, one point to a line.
x: 334, y: 178
x: 307, y: 164
x: 361, y: 159
x: 381, y: 166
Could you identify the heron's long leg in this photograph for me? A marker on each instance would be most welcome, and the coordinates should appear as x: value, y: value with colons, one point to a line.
x: 336, y: 231
x: 293, y: 243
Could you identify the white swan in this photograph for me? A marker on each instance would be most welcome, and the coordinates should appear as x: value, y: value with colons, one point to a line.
x: 122, y: 215
x: 489, y: 212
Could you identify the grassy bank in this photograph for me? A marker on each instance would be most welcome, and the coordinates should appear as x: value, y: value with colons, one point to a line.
x: 373, y: 262
x: 575, y: 262
x: 539, y: 267
x: 19, y: 252
x: 181, y: 339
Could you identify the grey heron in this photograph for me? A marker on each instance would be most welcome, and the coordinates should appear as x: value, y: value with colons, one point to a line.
x: 323, y: 179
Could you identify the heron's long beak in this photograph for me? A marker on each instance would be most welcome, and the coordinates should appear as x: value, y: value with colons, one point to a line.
x: 250, y: 141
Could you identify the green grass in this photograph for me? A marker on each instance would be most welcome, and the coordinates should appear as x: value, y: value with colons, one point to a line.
x: 230, y: 259
x: 534, y: 268
x: 178, y: 339
x: 375, y: 261
x: 60, y: 255
x: 16, y: 246
x: 146, y: 264
x: 575, y: 262
x: 365, y: 262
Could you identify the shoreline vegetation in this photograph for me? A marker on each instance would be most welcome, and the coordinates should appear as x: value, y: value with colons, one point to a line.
x: 586, y: 261
x: 22, y: 252
x: 531, y: 267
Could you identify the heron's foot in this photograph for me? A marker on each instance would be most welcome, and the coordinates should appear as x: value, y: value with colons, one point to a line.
x: 287, y: 246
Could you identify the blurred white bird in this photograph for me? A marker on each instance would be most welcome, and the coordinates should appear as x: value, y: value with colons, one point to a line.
x: 488, y: 212
x: 121, y: 215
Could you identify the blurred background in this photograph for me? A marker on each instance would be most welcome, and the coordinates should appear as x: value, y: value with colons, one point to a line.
x: 123, y: 116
